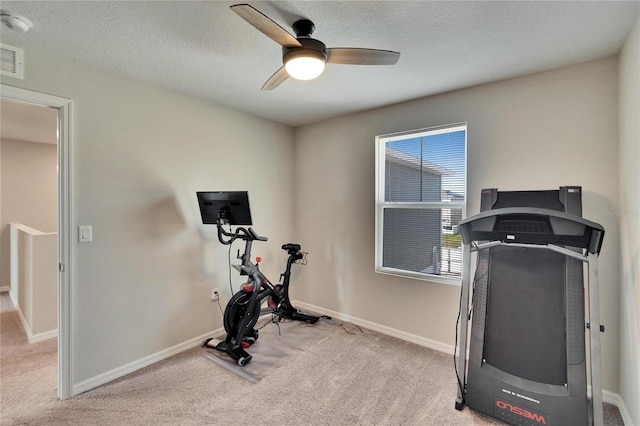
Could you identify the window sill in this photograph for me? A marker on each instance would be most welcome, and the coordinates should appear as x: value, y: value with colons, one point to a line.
x: 439, y: 279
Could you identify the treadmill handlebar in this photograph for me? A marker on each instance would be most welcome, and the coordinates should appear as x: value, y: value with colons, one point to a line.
x: 528, y: 225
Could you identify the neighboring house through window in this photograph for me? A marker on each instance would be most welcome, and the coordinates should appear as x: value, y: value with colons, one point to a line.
x: 420, y: 199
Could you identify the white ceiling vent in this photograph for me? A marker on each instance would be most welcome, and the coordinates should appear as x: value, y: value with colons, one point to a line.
x: 12, y: 61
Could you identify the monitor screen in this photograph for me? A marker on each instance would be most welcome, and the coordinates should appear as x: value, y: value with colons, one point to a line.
x: 230, y: 207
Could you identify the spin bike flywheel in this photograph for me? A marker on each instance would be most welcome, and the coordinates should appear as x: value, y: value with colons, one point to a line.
x: 236, y: 310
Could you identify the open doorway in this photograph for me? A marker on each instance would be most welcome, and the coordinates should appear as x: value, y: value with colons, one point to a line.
x: 59, y: 109
x: 29, y: 214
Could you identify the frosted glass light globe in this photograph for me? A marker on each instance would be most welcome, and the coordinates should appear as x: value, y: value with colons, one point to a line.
x: 304, y: 67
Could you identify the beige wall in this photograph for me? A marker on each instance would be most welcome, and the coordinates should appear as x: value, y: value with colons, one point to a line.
x: 630, y: 225
x: 29, y: 182
x: 139, y: 154
x: 536, y: 132
x: 34, y: 280
x: 44, y: 315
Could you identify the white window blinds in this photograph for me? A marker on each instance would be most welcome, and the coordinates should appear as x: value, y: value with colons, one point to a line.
x: 421, y: 198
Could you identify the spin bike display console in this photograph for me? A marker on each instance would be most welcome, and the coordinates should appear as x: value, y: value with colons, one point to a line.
x: 527, y: 356
x: 244, y: 308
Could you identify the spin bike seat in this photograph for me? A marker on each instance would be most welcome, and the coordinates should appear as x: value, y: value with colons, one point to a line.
x: 291, y: 247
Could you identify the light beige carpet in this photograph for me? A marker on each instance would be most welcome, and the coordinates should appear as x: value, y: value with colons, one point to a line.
x: 341, y: 379
x: 277, y: 343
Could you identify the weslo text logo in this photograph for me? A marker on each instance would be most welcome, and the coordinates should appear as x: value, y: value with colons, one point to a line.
x: 506, y: 406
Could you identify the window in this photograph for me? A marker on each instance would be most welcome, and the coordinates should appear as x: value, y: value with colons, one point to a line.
x: 420, y: 199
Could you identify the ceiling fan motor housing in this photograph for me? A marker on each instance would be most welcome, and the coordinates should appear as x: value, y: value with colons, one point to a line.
x: 310, y: 47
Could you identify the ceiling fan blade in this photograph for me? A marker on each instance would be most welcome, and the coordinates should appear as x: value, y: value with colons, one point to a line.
x: 356, y: 56
x: 266, y: 25
x: 276, y: 79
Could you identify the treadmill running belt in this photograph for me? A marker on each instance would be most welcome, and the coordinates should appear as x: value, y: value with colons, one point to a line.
x: 525, y: 330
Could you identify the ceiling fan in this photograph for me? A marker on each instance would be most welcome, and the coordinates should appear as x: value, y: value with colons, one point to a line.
x: 304, y: 57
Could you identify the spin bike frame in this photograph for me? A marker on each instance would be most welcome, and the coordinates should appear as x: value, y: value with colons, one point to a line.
x: 260, y: 288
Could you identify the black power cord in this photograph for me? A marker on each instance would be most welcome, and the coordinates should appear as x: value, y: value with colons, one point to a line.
x: 341, y: 324
x: 229, y: 265
x: 455, y: 348
x: 455, y: 345
x: 219, y: 305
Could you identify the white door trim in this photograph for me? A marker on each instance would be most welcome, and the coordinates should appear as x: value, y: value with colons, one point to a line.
x: 63, y: 105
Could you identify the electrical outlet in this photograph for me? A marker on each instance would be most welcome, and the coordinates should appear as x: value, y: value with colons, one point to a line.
x: 215, y: 294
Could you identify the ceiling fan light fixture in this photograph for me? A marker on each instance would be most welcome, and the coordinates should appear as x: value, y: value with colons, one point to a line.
x: 305, y: 64
x: 304, y: 58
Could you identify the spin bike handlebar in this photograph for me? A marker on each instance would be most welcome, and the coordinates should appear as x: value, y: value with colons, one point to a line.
x: 240, y: 233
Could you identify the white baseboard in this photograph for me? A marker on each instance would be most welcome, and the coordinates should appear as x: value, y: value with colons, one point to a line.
x: 140, y: 363
x: 33, y: 338
x: 607, y: 396
x: 13, y: 297
x: 613, y: 398
x: 23, y: 320
x: 616, y: 399
x: 383, y: 329
x: 4, y: 288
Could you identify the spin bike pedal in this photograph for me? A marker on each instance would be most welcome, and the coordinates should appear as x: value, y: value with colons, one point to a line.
x: 250, y: 339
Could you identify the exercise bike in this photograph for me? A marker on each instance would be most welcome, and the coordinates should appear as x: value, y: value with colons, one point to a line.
x: 244, y: 308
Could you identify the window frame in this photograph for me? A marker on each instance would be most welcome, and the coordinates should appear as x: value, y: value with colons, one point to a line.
x: 381, y: 204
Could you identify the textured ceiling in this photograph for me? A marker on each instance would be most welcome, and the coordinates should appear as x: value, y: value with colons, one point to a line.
x: 204, y: 49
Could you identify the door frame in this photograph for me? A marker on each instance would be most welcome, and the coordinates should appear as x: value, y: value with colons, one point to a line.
x: 64, y: 107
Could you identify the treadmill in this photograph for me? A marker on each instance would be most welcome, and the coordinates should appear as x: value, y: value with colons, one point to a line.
x: 527, y: 361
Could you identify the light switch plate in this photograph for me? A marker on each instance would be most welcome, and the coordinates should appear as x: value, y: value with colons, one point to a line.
x: 85, y: 234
